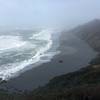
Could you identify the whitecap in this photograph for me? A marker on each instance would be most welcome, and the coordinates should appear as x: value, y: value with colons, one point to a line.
x: 10, y: 42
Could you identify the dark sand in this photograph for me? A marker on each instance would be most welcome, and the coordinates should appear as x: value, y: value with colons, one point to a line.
x: 74, y: 55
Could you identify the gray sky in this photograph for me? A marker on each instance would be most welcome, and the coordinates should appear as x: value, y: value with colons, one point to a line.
x: 30, y: 13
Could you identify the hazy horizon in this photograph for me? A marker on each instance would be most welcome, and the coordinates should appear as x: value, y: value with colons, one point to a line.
x: 47, y: 13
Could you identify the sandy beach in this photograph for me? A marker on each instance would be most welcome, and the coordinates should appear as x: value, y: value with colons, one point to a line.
x: 74, y: 55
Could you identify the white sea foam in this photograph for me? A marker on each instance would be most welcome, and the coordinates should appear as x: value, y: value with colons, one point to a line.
x: 43, y: 35
x: 10, y: 42
x: 14, y: 69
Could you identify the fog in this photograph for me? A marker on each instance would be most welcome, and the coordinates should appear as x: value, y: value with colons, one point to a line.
x: 47, y: 13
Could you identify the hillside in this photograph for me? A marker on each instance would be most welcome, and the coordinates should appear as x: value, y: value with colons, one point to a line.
x: 90, y: 32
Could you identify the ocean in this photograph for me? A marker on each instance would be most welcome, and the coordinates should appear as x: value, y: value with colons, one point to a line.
x: 18, y: 50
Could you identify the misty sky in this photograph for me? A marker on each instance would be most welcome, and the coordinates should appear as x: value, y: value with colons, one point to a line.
x: 30, y: 13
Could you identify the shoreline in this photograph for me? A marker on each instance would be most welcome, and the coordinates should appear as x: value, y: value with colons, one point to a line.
x: 62, y: 63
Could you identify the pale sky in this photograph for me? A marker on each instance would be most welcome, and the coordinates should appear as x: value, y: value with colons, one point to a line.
x: 29, y: 13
